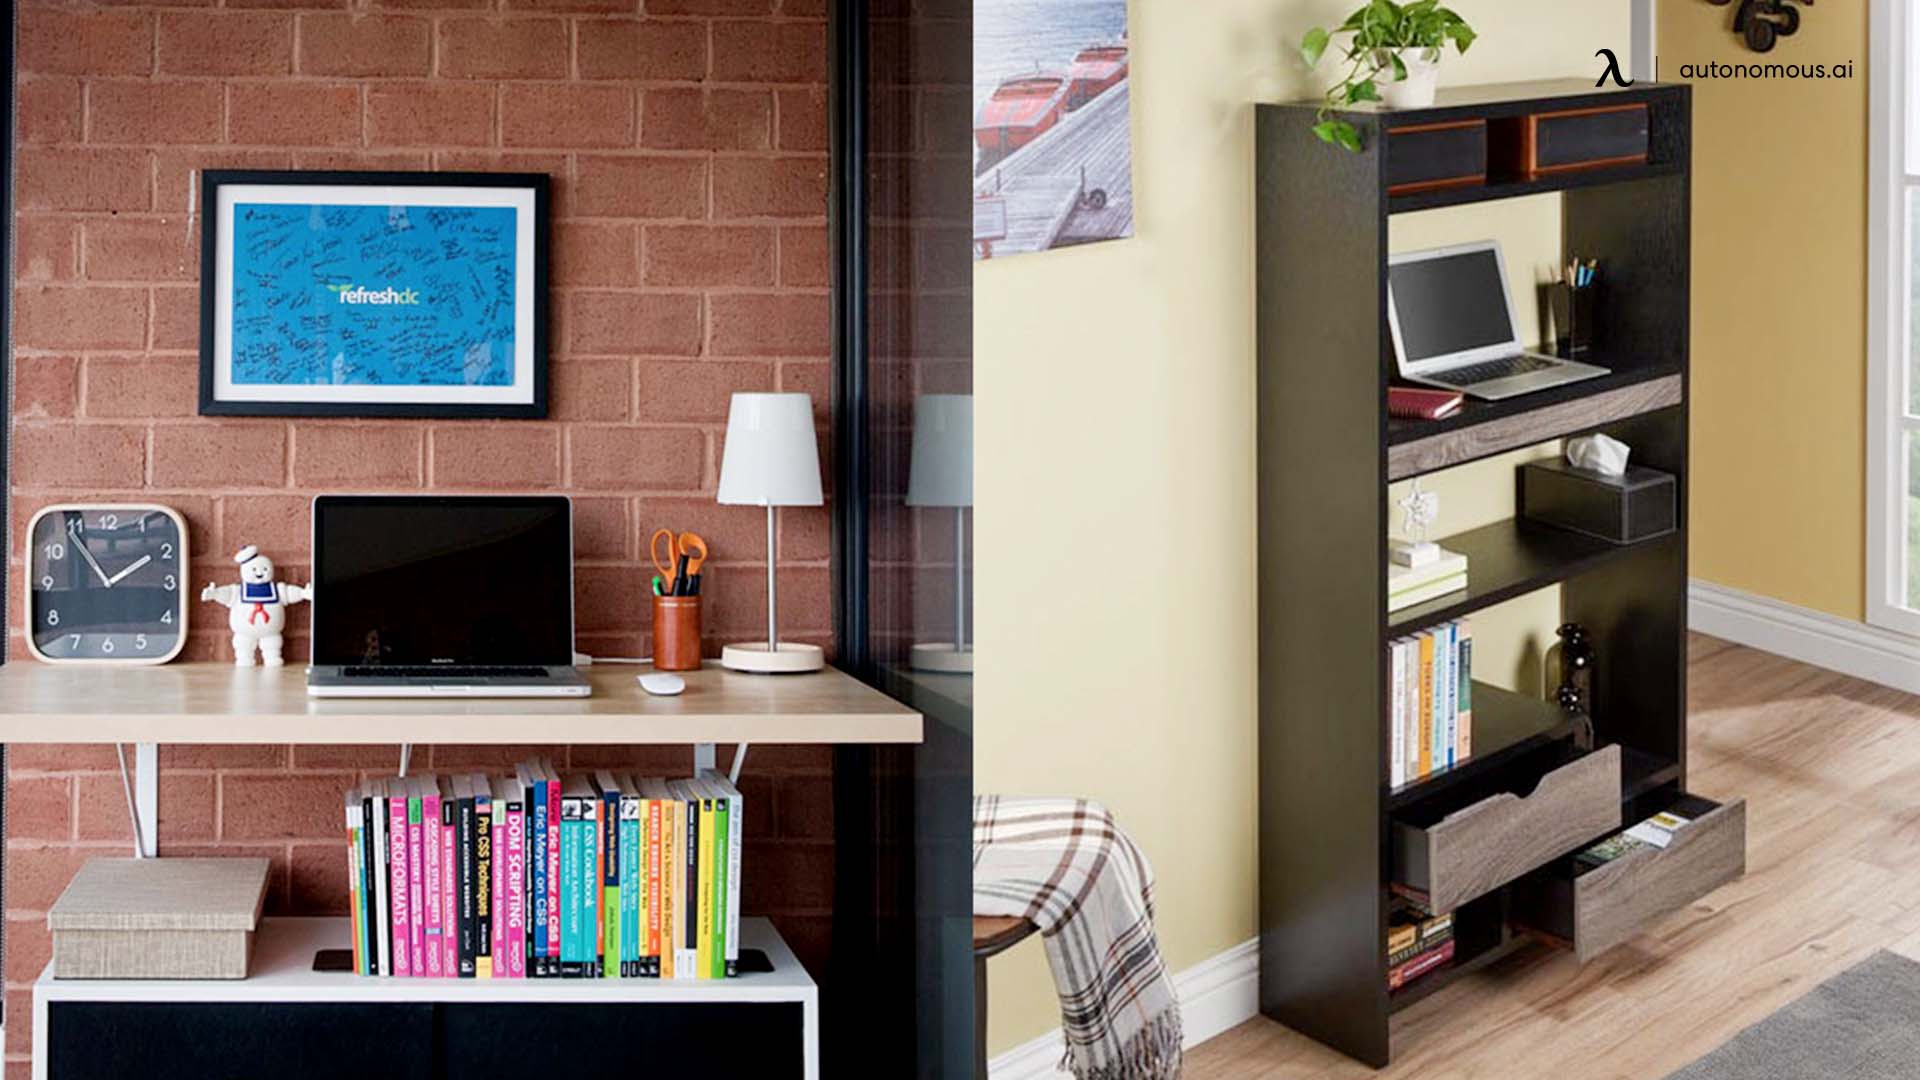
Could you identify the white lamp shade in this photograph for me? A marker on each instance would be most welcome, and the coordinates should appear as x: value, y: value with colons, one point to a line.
x: 771, y: 458
x: 941, y: 471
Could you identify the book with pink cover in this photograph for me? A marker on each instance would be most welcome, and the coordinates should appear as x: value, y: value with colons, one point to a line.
x: 449, y: 886
x: 497, y: 881
x: 430, y: 868
x: 416, y: 878
x: 399, y: 890
x: 553, y: 855
x: 514, y: 910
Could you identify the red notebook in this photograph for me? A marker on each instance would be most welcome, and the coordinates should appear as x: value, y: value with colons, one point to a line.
x: 1414, y: 403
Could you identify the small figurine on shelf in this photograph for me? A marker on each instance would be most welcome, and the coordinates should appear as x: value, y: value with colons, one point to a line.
x: 257, y: 608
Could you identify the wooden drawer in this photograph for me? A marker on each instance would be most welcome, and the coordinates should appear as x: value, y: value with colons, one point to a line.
x: 1484, y: 845
x: 1608, y: 904
x: 1428, y: 157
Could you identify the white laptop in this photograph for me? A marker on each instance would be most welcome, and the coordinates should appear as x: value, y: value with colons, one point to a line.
x: 443, y: 596
x: 1452, y: 324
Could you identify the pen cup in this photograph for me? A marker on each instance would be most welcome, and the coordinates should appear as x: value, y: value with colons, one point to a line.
x: 676, y: 633
x: 1573, y: 313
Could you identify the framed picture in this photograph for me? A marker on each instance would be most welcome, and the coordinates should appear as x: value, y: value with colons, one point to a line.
x: 373, y: 294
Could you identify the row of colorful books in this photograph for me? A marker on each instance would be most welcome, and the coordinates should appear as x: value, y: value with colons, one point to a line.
x: 1416, y: 944
x: 1432, y: 688
x: 536, y: 875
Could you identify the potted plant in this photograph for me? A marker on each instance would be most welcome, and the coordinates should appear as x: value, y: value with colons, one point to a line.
x: 1402, y: 42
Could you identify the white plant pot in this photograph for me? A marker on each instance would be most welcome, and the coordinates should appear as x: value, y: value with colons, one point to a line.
x: 1416, y: 90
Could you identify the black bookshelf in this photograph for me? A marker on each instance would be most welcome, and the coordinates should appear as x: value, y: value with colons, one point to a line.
x: 1325, y: 362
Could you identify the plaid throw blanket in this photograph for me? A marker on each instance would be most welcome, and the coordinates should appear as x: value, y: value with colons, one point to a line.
x: 1064, y: 865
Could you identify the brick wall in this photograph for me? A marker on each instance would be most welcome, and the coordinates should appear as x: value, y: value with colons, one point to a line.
x: 687, y: 148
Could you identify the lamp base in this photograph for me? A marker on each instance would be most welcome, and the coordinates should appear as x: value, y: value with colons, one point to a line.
x: 786, y: 658
x: 941, y: 656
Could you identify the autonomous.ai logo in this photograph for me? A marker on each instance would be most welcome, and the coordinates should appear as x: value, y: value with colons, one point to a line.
x: 360, y: 294
x: 1612, y: 71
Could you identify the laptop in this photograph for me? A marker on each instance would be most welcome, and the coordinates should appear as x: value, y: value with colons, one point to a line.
x: 1452, y: 324
x: 443, y: 596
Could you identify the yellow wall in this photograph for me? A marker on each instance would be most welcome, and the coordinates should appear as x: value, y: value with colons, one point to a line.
x: 1114, y: 458
x: 1779, y: 309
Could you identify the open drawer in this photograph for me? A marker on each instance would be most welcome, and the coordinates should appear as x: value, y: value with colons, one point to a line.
x: 1469, y: 851
x: 1598, y: 907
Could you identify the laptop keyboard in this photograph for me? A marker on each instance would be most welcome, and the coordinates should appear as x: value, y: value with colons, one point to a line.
x: 1488, y: 370
x: 440, y: 671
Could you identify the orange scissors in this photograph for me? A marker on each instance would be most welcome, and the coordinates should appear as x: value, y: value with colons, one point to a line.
x: 680, y: 571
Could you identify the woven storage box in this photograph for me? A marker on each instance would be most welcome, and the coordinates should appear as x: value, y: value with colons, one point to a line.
x: 158, y: 919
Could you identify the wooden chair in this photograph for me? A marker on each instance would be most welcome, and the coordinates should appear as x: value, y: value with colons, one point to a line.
x: 992, y: 935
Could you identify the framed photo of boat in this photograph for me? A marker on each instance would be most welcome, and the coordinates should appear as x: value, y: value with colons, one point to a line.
x: 1053, y: 150
x: 373, y: 294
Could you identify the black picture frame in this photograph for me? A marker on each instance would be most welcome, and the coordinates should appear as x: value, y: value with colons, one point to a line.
x: 212, y: 239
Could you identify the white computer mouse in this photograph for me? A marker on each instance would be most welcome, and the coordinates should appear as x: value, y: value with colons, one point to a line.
x: 662, y: 684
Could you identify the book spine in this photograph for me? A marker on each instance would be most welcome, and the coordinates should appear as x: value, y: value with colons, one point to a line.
x: 717, y: 965
x: 1413, y: 969
x: 590, y: 888
x: 553, y: 876
x: 398, y: 889
x: 514, y: 931
x: 1443, y: 696
x: 1424, y: 717
x: 483, y: 887
x: 1397, y: 749
x: 353, y: 888
x: 463, y: 846
x: 703, y: 896
x: 630, y: 858
x: 381, y: 866
x: 687, y: 964
x: 1465, y: 740
x: 570, y: 928
x: 672, y: 817
x: 537, y: 884
x: 610, y: 884
x: 449, y: 888
x: 416, y: 886
x: 651, y: 948
x: 736, y: 841
x: 431, y: 908
x: 370, y: 871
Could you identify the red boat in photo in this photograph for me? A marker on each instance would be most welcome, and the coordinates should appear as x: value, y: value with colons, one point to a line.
x: 1095, y: 71
x: 1020, y: 111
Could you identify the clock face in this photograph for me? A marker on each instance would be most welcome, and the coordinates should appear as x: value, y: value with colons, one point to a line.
x: 107, y: 584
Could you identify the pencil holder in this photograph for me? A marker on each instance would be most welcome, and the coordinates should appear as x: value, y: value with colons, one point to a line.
x: 676, y: 633
x: 1573, y: 312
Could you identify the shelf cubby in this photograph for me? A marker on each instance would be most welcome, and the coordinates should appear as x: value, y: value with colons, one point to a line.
x: 1507, y: 559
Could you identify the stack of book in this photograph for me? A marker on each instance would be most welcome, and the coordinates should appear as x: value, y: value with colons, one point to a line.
x: 1432, y: 688
x: 538, y: 876
x: 1416, y: 944
x: 1655, y: 832
x: 1410, y: 585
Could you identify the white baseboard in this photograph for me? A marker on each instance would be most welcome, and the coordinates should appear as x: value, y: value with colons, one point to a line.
x: 1217, y: 994
x: 1811, y: 637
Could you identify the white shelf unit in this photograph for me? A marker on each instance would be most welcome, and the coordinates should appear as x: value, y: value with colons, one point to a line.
x: 282, y: 973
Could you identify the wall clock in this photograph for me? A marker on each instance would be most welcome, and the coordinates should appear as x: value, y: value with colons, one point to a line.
x: 106, y: 584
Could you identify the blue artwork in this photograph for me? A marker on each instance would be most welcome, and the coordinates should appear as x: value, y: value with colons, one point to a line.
x: 331, y: 295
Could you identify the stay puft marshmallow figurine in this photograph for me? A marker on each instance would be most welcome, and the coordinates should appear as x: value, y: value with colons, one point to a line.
x: 257, y: 608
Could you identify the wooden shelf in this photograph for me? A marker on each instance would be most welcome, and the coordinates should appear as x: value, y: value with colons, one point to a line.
x: 1507, y: 559
x: 1504, y: 724
x: 282, y: 971
x: 1484, y: 428
x: 221, y: 703
x: 1512, y: 189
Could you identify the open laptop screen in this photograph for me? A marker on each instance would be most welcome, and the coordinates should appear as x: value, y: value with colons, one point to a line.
x: 416, y: 579
x: 1450, y: 304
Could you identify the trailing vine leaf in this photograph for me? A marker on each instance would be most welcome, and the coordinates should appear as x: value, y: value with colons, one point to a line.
x: 1399, y: 67
x: 1314, y: 45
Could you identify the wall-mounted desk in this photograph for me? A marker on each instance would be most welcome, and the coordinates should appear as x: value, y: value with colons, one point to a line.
x: 221, y: 703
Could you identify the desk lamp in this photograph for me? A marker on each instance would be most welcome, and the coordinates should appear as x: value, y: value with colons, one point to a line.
x: 771, y: 460
x: 941, y: 474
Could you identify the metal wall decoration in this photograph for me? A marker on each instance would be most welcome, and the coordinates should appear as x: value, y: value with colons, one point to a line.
x: 1761, y: 23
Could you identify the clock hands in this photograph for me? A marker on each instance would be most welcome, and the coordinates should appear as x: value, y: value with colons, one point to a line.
x: 137, y: 564
x: 81, y: 545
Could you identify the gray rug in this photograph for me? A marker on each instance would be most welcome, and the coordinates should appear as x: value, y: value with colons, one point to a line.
x: 1862, y: 1024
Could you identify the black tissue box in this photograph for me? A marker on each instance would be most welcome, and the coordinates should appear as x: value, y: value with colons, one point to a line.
x: 1642, y: 504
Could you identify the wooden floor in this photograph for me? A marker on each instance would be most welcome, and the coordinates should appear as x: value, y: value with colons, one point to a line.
x: 1830, y: 768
